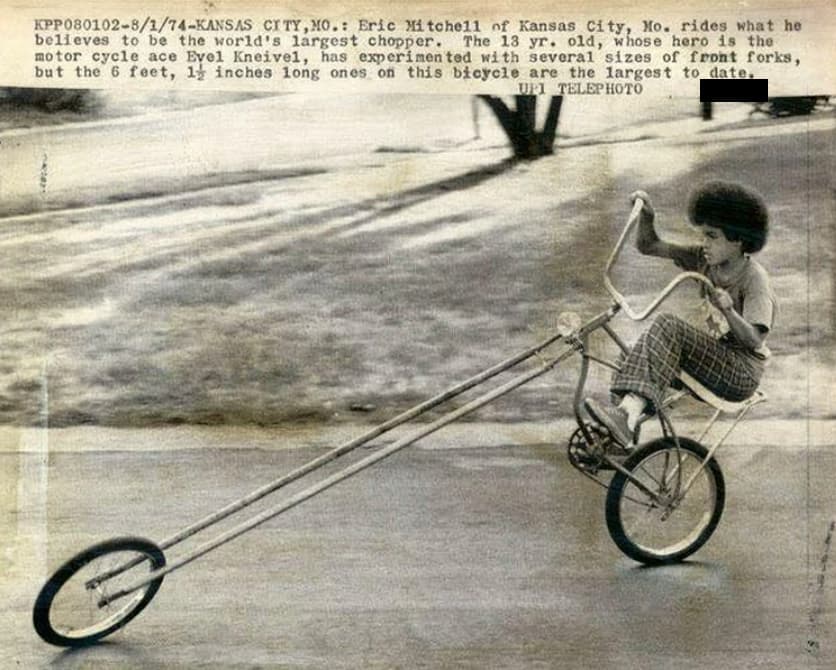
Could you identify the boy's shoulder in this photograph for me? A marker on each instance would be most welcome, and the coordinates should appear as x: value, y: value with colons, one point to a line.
x: 755, y: 272
x: 756, y: 281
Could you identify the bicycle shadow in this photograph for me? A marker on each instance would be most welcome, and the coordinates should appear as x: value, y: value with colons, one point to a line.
x: 698, y: 574
x: 105, y: 653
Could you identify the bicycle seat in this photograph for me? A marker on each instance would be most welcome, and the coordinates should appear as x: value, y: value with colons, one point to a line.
x: 710, y: 398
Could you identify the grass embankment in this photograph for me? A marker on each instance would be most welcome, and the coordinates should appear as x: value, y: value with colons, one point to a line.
x: 358, y: 291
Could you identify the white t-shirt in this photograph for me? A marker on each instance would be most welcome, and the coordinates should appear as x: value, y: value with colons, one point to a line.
x: 749, y: 290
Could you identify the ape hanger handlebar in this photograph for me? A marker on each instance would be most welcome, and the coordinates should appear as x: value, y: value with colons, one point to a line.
x: 619, y: 299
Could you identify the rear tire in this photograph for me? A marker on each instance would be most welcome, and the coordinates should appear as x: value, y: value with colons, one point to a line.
x: 67, y: 613
x: 657, y: 532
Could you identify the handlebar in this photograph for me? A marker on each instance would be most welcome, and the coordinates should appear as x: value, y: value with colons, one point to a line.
x: 620, y: 300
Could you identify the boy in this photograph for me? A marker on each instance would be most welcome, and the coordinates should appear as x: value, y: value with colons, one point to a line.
x: 729, y: 358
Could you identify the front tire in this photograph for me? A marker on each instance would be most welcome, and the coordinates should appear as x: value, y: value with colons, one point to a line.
x: 669, y: 528
x: 67, y: 613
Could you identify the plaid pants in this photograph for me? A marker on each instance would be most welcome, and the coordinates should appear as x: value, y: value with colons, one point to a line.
x: 670, y: 345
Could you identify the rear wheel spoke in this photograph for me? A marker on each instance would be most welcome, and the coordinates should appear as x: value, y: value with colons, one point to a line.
x: 668, y: 527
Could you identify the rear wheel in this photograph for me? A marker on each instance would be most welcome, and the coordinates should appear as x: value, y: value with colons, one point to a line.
x: 67, y: 611
x: 664, y: 524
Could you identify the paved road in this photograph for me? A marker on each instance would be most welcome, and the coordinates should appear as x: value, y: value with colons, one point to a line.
x: 439, y: 557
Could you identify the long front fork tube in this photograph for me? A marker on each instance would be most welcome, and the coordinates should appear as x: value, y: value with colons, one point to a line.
x: 333, y: 454
x: 342, y: 475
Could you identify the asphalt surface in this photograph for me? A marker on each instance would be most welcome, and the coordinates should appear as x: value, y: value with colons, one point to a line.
x: 441, y: 556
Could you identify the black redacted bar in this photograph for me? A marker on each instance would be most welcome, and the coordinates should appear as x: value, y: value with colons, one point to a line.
x: 734, y: 90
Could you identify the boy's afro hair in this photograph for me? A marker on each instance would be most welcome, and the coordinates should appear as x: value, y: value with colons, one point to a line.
x: 738, y: 211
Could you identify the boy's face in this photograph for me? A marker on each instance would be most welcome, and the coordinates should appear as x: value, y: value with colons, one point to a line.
x: 716, y: 248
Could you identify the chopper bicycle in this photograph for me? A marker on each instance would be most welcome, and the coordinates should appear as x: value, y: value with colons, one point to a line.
x: 664, y: 498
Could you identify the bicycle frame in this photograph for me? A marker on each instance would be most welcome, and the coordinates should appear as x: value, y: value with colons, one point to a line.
x: 667, y: 426
x: 574, y: 342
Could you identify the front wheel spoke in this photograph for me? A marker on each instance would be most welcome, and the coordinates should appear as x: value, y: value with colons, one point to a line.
x: 67, y: 611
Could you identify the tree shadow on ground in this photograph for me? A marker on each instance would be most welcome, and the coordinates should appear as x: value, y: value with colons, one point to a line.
x: 387, y: 205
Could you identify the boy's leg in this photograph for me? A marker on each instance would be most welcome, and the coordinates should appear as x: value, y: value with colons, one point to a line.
x: 668, y: 346
x: 671, y: 345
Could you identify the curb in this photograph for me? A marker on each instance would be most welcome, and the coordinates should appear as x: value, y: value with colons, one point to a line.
x: 793, y: 434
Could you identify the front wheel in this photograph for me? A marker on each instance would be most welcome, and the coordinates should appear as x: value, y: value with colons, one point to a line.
x: 67, y: 611
x: 652, y: 518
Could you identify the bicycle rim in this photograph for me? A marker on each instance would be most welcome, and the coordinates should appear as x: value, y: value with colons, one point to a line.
x: 672, y: 526
x: 67, y: 611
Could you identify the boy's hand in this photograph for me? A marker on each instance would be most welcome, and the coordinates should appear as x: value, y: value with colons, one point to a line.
x: 647, y: 208
x: 721, y: 299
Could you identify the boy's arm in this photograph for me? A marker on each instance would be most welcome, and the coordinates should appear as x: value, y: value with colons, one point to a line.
x: 751, y: 325
x: 648, y: 242
x: 749, y: 335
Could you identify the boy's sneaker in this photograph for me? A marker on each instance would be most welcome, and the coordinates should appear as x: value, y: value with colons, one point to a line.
x: 614, y: 419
